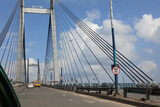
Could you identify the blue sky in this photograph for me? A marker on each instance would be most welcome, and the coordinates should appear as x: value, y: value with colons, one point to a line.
x: 140, y: 19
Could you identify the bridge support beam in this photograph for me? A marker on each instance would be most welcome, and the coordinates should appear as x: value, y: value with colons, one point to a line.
x: 54, y: 39
x: 20, y: 61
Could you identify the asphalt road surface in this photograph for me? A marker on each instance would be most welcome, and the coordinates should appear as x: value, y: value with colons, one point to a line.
x: 49, y: 97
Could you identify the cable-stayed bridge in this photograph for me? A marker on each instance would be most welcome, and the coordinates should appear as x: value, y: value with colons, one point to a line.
x: 80, y: 57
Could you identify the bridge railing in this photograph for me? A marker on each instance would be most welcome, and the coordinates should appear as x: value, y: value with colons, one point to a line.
x: 78, y: 88
x: 97, y: 89
x: 146, y: 91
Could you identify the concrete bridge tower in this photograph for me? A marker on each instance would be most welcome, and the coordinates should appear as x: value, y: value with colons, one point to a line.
x: 20, y: 60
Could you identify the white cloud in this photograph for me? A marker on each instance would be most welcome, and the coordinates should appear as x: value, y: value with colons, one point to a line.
x: 125, y: 42
x: 32, y: 61
x: 33, y: 70
x: 148, y: 28
x: 123, y: 34
x: 149, y: 51
x: 148, y: 66
x: 92, y: 15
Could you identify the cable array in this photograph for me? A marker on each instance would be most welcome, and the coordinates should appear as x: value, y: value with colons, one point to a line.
x: 9, y: 37
x: 70, y: 22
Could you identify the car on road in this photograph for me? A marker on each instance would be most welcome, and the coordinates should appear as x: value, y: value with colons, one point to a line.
x: 37, y: 83
x: 30, y: 85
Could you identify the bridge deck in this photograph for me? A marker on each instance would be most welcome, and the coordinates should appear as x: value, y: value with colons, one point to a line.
x: 48, y: 97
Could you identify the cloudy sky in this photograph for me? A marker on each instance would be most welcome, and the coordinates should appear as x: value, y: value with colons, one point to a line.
x: 137, y: 27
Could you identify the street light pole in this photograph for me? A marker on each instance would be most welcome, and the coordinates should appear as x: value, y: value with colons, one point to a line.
x: 53, y: 65
x: 27, y: 70
x: 114, y: 47
x: 61, y: 78
x: 44, y: 76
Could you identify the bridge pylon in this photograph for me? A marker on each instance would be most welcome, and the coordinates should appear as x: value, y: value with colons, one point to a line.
x: 20, y: 60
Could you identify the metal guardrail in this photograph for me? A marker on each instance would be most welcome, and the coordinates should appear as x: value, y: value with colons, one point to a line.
x: 146, y: 91
x: 99, y: 89
x: 155, y: 92
x: 66, y: 87
x: 82, y: 89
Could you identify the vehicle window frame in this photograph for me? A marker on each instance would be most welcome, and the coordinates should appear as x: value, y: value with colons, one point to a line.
x: 8, y: 97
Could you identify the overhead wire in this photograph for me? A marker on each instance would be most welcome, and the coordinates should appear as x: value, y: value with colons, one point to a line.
x: 63, y: 21
x: 8, y: 24
x: 89, y: 48
x: 64, y: 66
x: 67, y: 36
x: 106, y: 43
x: 9, y: 39
x: 66, y: 63
x: 67, y: 53
x: 10, y: 49
x: 14, y: 48
x: 67, y: 42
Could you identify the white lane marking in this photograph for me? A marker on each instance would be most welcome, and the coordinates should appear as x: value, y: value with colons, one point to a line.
x: 37, y: 93
x: 89, y: 101
x: 70, y: 99
x: 63, y: 95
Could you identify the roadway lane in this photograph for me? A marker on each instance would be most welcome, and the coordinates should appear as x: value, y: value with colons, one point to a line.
x: 49, y: 97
